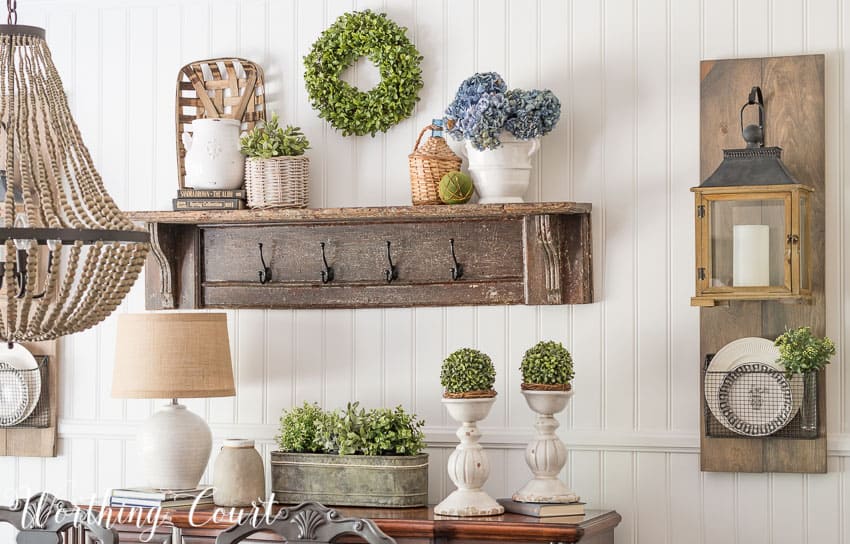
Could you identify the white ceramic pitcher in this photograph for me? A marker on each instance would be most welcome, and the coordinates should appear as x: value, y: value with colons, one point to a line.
x: 501, y: 175
x: 213, y: 159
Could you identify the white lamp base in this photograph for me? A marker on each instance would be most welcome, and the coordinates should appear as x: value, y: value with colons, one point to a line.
x: 175, y: 446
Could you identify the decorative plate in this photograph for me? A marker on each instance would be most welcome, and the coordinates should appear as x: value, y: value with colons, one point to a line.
x: 737, y: 352
x: 21, y: 359
x: 755, y: 400
x: 14, y: 395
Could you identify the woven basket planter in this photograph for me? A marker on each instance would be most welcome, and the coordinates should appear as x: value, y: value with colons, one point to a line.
x: 278, y: 182
x: 428, y: 165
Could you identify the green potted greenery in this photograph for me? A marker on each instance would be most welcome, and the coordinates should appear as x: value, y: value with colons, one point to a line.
x: 800, y: 352
x: 276, y: 171
x: 547, y: 369
x: 547, y: 366
x: 350, y: 457
x: 468, y: 376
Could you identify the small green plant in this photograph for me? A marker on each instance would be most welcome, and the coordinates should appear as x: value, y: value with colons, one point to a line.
x: 269, y: 140
x: 547, y: 363
x: 800, y: 351
x: 467, y: 370
x: 353, y: 431
x: 300, y: 429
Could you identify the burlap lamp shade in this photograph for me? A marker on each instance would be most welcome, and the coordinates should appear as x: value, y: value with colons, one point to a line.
x: 169, y: 356
x: 172, y: 355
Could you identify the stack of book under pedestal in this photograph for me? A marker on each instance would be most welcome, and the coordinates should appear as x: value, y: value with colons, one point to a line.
x: 567, y: 512
x: 148, y: 497
x: 202, y: 199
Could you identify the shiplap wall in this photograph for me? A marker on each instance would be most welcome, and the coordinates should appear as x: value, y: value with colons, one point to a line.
x: 627, y: 74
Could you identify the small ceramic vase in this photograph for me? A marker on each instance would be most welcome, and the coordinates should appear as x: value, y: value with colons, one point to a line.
x: 546, y: 453
x: 213, y: 158
x: 468, y: 465
x: 238, y: 476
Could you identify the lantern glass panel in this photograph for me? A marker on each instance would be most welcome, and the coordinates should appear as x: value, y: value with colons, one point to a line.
x: 747, y: 243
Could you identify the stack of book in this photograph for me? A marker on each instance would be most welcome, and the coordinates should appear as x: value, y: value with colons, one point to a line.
x: 202, y: 199
x: 567, y: 512
x: 147, y: 497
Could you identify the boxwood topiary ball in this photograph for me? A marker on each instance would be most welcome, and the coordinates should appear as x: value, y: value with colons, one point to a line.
x: 455, y: 188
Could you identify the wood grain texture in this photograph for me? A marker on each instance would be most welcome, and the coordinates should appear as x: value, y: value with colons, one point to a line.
x: 793, y: 90
x: 37, y: 442
x: 423, y: 525
x: 510, y: 254
x: 371, y: 214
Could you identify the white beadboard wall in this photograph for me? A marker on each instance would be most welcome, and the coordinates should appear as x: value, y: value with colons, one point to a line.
x: 627, y: 74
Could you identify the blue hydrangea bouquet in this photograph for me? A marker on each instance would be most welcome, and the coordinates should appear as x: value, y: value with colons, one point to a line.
x: 483, y: 107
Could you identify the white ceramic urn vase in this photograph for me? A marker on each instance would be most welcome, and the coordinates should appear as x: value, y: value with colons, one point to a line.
x: 174, y: 447
x: 502, y: 175
x: 468, y: 465
x: 546, y: 454
x: 213, y: 158
x: 238, y: 475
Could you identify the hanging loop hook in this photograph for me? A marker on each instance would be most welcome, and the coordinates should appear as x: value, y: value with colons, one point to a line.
x: 327, y: 271
x: 265, y: 274
x: 457, y: 268
x: 754, y: 134
x: 12, y: 9
x: 390, y: 273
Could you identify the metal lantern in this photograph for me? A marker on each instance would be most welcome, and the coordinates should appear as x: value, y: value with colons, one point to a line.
x: 70, y: 255
x: 753, y: 224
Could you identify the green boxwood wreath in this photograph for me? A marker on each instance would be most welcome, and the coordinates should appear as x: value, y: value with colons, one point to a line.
x: 382, y: 41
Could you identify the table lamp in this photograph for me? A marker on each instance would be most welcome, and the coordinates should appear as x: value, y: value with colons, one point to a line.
x: 169, y: 356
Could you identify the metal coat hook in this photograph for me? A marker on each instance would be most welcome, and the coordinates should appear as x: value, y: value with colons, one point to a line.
x: 266, y: 273
x: 390, y: 273
x: 457, y: 269
x: 327, y: 271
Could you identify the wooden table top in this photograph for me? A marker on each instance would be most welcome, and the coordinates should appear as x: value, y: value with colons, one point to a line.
x: 423, y: 523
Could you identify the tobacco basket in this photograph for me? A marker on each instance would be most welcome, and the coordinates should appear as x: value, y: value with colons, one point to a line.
x: 229, y: 88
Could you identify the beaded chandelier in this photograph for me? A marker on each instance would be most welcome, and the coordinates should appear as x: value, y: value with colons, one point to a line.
x: 70, y: 255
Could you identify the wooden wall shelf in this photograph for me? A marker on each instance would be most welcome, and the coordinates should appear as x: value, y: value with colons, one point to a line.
x: 530, y: 253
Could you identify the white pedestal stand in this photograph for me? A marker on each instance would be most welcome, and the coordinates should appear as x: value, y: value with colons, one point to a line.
x: 468, y: 465
x: 546, y: 454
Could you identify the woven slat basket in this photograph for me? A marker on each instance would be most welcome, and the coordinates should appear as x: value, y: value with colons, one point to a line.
x: 278, y: 182
x: 224, y: 88
x: 428, y: 164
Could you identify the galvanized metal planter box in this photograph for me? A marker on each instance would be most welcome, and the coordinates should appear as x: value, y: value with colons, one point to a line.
x: 350, y: 480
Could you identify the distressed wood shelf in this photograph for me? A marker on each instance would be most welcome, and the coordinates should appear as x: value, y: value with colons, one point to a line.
x: 529, y: 253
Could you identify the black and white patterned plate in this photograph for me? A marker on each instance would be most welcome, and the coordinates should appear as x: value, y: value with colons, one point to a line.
x: 755, y: 399
x: 14, y: 395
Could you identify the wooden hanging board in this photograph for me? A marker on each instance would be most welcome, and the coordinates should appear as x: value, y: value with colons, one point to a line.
x: 225, y: 88
x: 793, y: 89
x: 32, y: 441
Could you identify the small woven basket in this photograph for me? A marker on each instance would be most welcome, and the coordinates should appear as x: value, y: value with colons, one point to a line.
x: 278, y: 182
x: 428, y: 165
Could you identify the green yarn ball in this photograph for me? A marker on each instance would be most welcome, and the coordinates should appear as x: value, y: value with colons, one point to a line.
x: 456, y: 188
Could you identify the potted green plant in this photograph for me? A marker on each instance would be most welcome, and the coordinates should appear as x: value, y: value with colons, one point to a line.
x: 547, y: 369
x: 468, y: 376
x: 801, y: 352
x: 276, y: 171
x: 350, y: 457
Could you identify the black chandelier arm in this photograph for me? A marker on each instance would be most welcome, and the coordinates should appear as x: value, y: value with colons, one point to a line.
x: 87, y: 236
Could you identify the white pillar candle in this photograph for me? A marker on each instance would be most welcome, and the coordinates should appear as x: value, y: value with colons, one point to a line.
x: 751, y: 256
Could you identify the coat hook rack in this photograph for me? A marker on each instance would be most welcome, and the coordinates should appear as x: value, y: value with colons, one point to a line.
x: 457, y: 268
x: 327, y: 271
x: 265, y: 274
x: 390, y: 273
